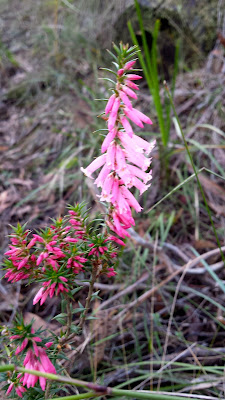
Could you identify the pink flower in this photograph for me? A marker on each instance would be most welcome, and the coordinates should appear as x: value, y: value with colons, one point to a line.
x: 110, y: 103
x: 129, y: 65
x: 37, y: 362
x: 111, y: 272
x: 97, y: 250
x: 32, y: 243
x: 133, y: 77
x: 22, y: 347
x: 76, y: 263
x: 38, y: 296
x: 115, y: 239
x: 97, y: 163
x: 51, y: 288
x: 142, y: 116
x: 120, y: 72
x: 116, y: 106
x: 131, y: 85
x: 18, y: 388
x: 125, y: 99
x: 10, y: 388
x: 108, y: 139
x: 133, y: 116
x: 126, y: 125
x: 129, y: 92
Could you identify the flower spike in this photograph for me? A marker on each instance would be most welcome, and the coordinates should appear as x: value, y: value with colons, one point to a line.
x: 124, y: 159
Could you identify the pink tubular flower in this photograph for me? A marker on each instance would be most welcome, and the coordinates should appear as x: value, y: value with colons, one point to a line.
x: 129, y: 65
x: 97, y: 250
x: 133, y: 116
x: 129, y: 92
x: 108, y: 139
x: 22, y: 347
x: 115, y: 239
x: 110, y: 103
x: 125, y: 99
x: 127, y: 126
x: 18, y: 388
x: 142, y: 116
x: 51, y: 288
x: 111, y: 272
x: 76, y: 263
x: 131, y: 85
x: 124, y: 159
x: 97, y: 163
x: 39, y: 362
x: 133, y: 77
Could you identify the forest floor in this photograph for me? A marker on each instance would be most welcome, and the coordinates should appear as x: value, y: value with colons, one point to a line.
x: 167, y: 303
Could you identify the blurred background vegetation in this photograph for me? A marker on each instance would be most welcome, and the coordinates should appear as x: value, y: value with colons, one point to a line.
x: 51, y: 52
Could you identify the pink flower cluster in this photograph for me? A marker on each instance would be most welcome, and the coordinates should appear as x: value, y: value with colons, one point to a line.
x: 51, y: 288
x: 20, y: 258
x: 124, y: 160
x: 35, y: 359
x: 19, y: 389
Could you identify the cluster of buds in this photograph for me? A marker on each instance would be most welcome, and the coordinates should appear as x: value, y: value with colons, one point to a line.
x: 124, y: 161
x: 56, y: 255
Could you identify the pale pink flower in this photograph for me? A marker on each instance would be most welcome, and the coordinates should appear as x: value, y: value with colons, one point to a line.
x: 142, y: 116
x: 131, y: 199
x: 114, y: 239
x: 105, y: 171
x: 112, y: 120
x: 131, y: 85
x: 133, y: 77
x: 129, y: 92
x: 133, y: 116
x: 108, y: 139
x: 126, y: 126
x: 116, y: 106
x: 97, y: 163
x: 110, y: 103
x: 110, y: 155
x: 125, y: 99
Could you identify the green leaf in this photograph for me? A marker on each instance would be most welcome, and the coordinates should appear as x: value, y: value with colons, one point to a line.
x: 95, y: 295
x: 77, y: 310
x: 77, y: 289
x: 62, y: 315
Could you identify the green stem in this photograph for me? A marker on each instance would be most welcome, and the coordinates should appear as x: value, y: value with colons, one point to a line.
x: 69, y: 319
x: 90, y: 292
x: 78, y: 396
x: 98, y: 390
x: 195, y: 172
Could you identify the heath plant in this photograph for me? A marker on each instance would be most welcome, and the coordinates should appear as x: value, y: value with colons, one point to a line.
x: 74, y: 247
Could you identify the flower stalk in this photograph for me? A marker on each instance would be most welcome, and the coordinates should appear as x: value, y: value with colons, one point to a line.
x: 97, y: 390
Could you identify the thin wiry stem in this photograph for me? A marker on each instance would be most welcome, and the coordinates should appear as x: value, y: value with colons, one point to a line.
x: 90, y: 292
